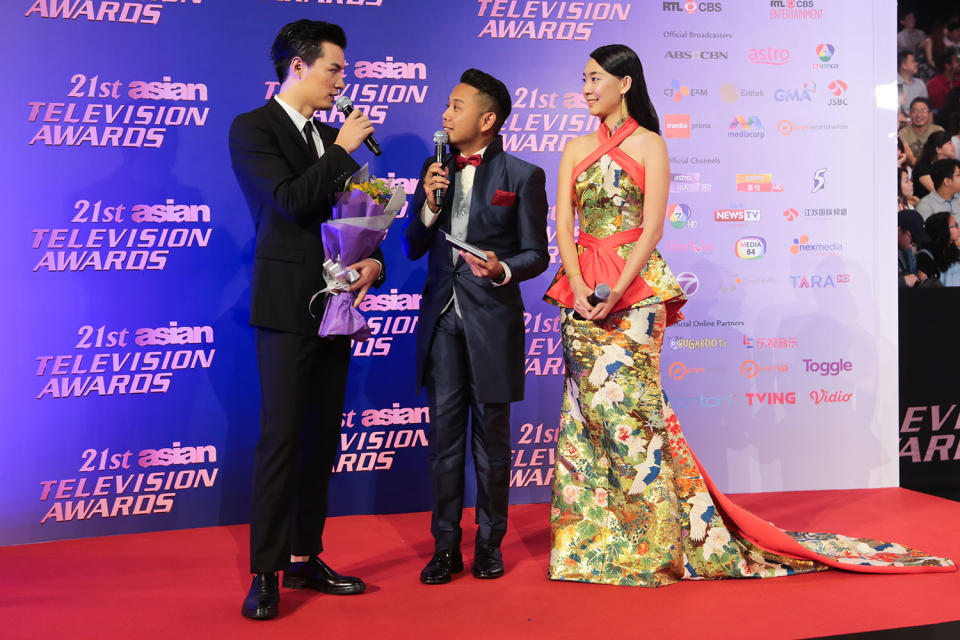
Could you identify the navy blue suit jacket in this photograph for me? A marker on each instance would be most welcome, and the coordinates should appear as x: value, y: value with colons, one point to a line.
x: 517, y: 233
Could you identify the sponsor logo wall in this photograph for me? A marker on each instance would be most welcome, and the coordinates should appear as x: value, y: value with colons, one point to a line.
x: 130, y: 393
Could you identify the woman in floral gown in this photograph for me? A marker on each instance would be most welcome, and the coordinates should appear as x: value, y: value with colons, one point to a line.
x: 631, y: 503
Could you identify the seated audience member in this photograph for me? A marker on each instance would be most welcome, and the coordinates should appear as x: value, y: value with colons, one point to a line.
x: 939, y: 146
x: 946, y: 193
x: 909, y: 87
x: 909, y: 38
x: 939, y: 257
x: 905, y: 197
x: 932, y: 46
x: 905, y: 157
x: 910, y: 233
x: 948, y: 77
x: 921, y: 126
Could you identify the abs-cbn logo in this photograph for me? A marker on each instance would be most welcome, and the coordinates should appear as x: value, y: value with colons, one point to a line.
x: 827, y: 367
x: 693, y: 7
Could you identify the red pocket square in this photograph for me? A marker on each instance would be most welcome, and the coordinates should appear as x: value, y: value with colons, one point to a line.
x: 503, y: 198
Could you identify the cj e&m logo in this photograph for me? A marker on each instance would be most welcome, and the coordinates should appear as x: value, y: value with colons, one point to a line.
x: 679, y: 91
x: 692, y: 7
x: 751, y: 248
x: 769, y: 55
x: 827, y: 367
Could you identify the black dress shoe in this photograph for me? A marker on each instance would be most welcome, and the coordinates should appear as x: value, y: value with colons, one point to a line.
x: 315, y: 574
x: 487, y: 562
x: 261, y: 601
x: 441, y: 566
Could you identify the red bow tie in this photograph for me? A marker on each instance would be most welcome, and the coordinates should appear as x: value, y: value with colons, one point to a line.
x: 473, y: 160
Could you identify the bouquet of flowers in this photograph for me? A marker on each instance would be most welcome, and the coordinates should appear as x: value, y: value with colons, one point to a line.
x: 361, y: 216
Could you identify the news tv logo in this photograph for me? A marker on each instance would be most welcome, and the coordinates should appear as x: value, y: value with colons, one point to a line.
x: 736, y: 215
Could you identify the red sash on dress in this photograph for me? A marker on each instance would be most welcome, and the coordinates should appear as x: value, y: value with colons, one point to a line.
x: 599, y: 260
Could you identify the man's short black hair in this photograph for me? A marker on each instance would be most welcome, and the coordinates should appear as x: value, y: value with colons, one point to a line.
x: 925, y: 101
x: 942, y: 60
x: 943, y: 169
x: 902, y: 56
x: 303, y: 39
x: 494, y: 91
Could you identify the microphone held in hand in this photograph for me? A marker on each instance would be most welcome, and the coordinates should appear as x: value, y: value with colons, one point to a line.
x: 600, y: 294
x: 440, y: 139
x: 345, y: 107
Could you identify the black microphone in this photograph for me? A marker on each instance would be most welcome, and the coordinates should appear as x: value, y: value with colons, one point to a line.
x: 440, y: 139
x: 345, y: 107
x: 600, y: 294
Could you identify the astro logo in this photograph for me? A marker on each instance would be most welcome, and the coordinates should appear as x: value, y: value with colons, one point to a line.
x: 688, y: 282
x: 825, y: 52
x: 680, y: 216
x: 751, y: 248
x: 791, y: 215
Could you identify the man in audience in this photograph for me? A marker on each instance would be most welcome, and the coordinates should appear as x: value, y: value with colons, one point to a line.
x: 921, y: 125
x: 948, y: 77
x: 910, y: 233
x: 909, y: 37
x: 908, y: 87
x: 946, y: 193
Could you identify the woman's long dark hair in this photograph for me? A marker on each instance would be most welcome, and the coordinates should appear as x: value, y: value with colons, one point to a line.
x: 621, y: 61
x: 936, y: 140
x: 945, y: 252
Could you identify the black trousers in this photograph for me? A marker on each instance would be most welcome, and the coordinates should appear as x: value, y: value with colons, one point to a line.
x: 452, y: 397
x: 303, y: 380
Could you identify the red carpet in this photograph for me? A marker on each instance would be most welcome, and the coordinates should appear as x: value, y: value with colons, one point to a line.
x: 189, y: 584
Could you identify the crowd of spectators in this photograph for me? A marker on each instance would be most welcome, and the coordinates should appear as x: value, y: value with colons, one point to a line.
x: 928, y: 158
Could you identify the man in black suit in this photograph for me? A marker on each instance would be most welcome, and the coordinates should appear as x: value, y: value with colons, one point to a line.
x: 289, y: 166
x: 470, y: 341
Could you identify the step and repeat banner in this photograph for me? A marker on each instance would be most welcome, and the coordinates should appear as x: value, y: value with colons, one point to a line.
x: 130, y: 398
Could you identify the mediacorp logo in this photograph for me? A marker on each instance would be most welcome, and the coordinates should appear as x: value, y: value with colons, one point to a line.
x: 680, y: 216
x: 751, y: 248
x: 827, y: 367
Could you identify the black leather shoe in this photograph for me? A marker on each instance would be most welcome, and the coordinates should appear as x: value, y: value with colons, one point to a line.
x: 261, y: 601
x: 315, y: 574
x: 441, y: 566
x: 487, y: 562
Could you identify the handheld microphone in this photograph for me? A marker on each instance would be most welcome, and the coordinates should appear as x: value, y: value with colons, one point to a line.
x: 440, y: 139
x: 600, y: 294
x: 345, y: 107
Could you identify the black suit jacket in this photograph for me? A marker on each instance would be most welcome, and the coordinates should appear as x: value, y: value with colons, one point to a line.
x: 517, y: 233
x: 290, y: 193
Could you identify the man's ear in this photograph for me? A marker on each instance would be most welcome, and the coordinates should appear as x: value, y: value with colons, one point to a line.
x: 487, y: 121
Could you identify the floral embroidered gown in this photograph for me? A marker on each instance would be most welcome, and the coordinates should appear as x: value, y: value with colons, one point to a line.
x: 631, y: 504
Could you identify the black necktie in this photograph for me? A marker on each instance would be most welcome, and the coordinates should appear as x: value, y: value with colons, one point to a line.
x: 308, y: 131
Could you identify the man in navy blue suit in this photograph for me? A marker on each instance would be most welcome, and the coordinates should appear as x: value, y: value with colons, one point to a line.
x: 470, y: 340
